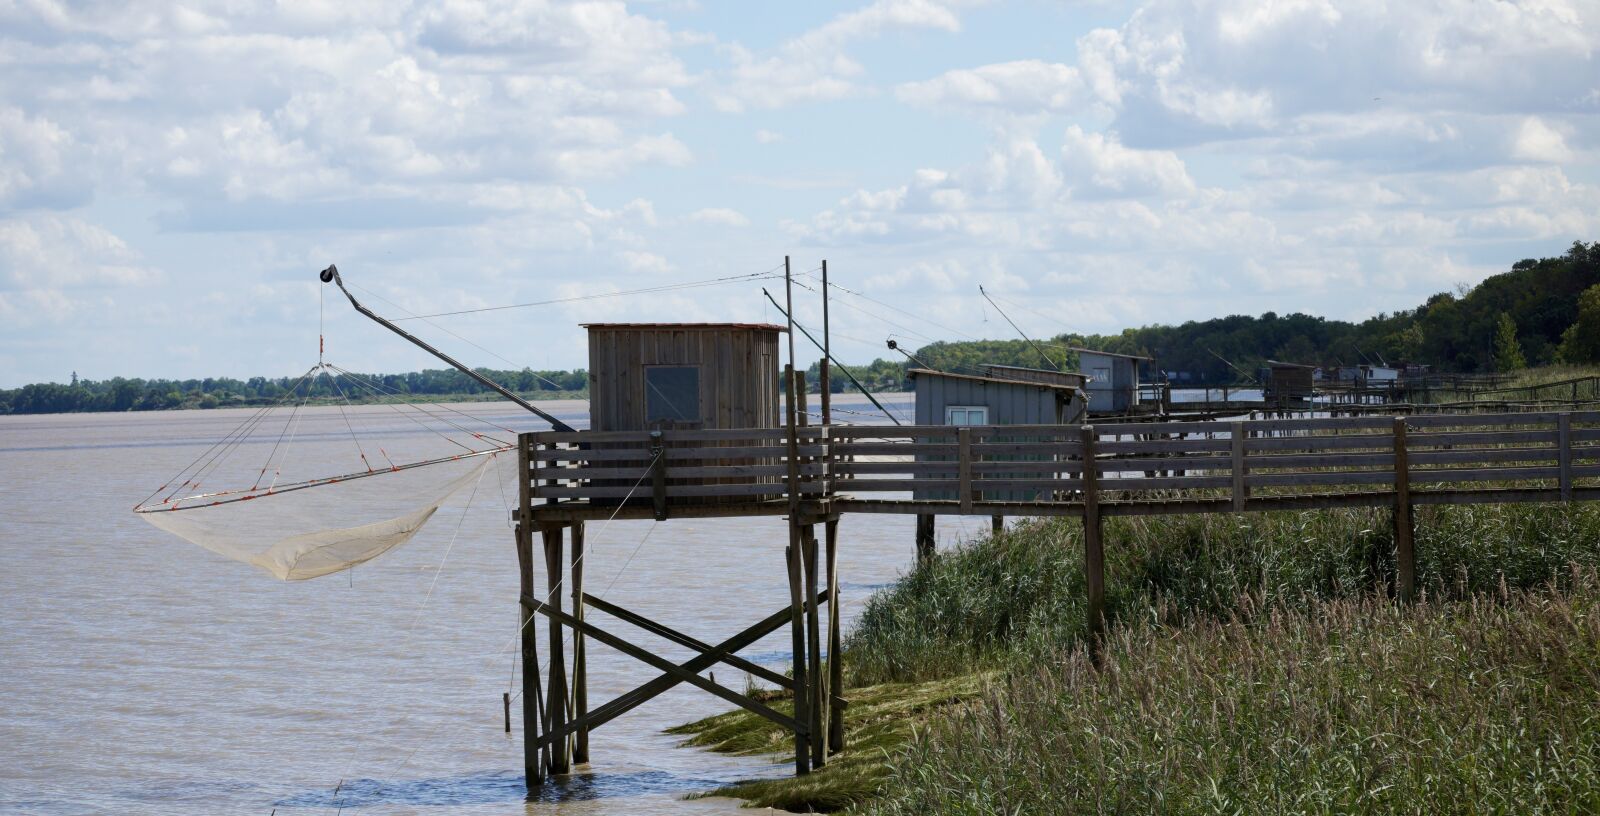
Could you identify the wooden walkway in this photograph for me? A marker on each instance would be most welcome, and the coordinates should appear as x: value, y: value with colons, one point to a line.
x: 820, y: 474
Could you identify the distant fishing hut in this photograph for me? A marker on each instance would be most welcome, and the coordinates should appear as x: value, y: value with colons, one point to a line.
x: 1288, y: 383
x: 1005, y: 395
x: 1113, y: 380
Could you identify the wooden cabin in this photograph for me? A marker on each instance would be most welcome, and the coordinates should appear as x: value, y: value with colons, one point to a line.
x: 1288, y: 383
x: 677, y: 376
x: 1113, y: 380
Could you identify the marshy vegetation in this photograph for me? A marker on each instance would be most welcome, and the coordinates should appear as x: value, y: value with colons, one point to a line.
x: 1256, y: 663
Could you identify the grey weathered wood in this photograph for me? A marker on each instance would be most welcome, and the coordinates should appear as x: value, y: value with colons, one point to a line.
x: 1405, y: 551
x: 1093, y: 552
x: 532, y: 715
x: 964, y: 469
x: 1323, y: 477
x: 836, y: 701
x: 1564, y: 430
x: 556, y: 697
x: 1440, y: 475
x: 1240, y: 489
x: 816, y: 705
x: 580, y: 657
x: 1308, y: 443
x: 925, y: 538
x: 1261, y: 461
x: 1483, y: 456
x: 680, y: 673
x: 667, y: 632
x: 645, y: 692
x: 658, y: 478
x: 1482, y: 438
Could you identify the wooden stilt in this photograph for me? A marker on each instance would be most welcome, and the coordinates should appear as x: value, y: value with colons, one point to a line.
x: 533, y: 765
x: 556, y: 698
x: 802, y: 748
x: 835, y: 652
x: 925, y: 533
x: 1405, y: 554
x: 817, y: 703
x: 1093, y: 551
x: 997, y: 524
x: 580, y: 656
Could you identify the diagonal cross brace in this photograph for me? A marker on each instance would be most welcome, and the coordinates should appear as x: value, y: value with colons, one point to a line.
x: 673, y: 670
x: 648, y: 691
x: 685, y: 640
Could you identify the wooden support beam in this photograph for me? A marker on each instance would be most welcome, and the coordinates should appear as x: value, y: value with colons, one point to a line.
x: 835, y: 643
x: 792, y: 555
x: 1093, y: 550
x: 1405, y: 556
x: 925, y: 538
x: 580, y: 656
x: 1241, y: 491
x: 558, y: 617
x: 997, y: 525
x: 658, y: 476
x: 1564, y: 441
x: 532, y: 762
x: 816, y: 704
x: 642, y: 694
x: 682, y: 639
x: 556, y: 698
x: 964, y: 468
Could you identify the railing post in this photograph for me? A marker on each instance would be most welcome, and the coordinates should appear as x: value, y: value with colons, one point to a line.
x: 658, y: 475
x: 1241, y: 491
x: 1564, y: 440
x: 1405, y: 555
x: 1093, y: 551
x: 964, y: 468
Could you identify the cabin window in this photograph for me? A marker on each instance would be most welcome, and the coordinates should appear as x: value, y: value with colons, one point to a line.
x: 966, y: 415
x: 672, y: 394
x: 1100, y: 375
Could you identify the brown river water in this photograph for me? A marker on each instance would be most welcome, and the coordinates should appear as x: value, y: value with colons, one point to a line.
x: 142, y: 674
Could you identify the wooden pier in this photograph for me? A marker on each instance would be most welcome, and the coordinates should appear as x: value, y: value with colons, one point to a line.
x: 819, y: 475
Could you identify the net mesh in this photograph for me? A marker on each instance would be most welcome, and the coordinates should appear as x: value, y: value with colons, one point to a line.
x: 263, y: 494
x: 314, y: 532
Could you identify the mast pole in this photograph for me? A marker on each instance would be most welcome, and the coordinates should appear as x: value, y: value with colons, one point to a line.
x: 331, y: 275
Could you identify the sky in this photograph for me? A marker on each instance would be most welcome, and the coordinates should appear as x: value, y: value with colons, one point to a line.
x: 173, y: 175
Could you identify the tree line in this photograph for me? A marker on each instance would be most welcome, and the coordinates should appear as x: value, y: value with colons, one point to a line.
x: 123, y: 394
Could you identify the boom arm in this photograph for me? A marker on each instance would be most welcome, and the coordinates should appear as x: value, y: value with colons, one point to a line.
x: 331, y: 275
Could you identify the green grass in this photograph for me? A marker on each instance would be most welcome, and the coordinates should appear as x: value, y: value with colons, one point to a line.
x: 1349, y: 706
x: 1001, y: 608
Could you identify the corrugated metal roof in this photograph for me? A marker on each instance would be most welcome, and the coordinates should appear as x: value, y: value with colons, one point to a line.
x: 688, y: 326
x: 1053, y: 387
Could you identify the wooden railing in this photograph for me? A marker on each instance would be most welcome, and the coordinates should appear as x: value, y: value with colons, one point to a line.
x: 1139, y: 468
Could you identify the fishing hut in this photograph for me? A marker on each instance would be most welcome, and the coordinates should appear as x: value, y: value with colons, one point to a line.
x: 1288, y: 383
x: 682, y: 376
x: 1113, y: 380
x: 684, y: 422
x: 1004, y: 395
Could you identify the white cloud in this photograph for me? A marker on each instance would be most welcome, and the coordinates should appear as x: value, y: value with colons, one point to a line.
x: 719, y: 216
x: 815, y: 66
x: 1099, y: 164
x: 764, y: 136
x: 1537, y: 141
x: 1029, y: 87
